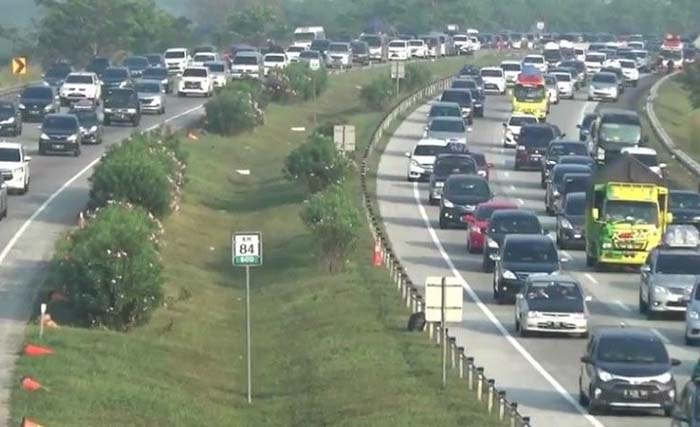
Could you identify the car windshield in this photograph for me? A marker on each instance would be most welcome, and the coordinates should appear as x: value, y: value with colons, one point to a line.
x: 79, y: 79
x: 536, y: 136
x: 522, y: 224
x: 621, y: 133
x: 510, y: 67
x: 673, y: 55
x: 6, y: 108
x: 245, y: 60
x: 604, y: 78
x: 464, y: 84
x: 684, y: 200
x: 154, y: 59
x: 521, y: 120
x: 296, y: 49
x: 309, y: 54
x: 533, y: 60
x: 555, y: 291
x: 622, y: 211
x: 397, y: 44
x: 275, y: 58
x: 203, y: 57
x: 217, y: 68
x: 38, y: 93
x: 116, y: 73
x: 429, y: 150
x: 467, y: 187
x: 484, y: 212
x: 87, y: 119
x: 586, y: 122
x: 118, y: 98
x: 66, y: 123
x: 454, y: 166
x: 100, y: 63
x: 416, y: 43
x: 304, y: 37
x: 194, y: 72
x: 567, y: 149
x: 530, y: 251
x: 563, y: 77
x: 175, y: 54
x: 443, y: 111
x: 447, y: 126
x: 575, y: 184
x: 358, y: 47
x: 372, y: 41
x: 155, y: 73
x: 529, y: 93
x: 145, y: 87
x: 673, y: 263
x: 575, y: 205
x: 650, y: 160
x: 628, y: 64
x: 338, y: 47
x: 631, y: 349
x: 57, y: 72
x: 460, y: 97
x: 9, y: 155
x: 595, y: 57
x: 491, y: 73
x: 552, y: 55
x: 136, y: 62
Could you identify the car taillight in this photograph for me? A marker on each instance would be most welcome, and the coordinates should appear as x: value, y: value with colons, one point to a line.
x: 521, y: 148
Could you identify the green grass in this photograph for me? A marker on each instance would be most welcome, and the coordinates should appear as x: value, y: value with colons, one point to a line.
x: 7, y: 79
x: 328, y: 350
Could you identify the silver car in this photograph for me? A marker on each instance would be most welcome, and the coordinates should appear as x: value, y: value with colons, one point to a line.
x: 151, y: 96
x: 552, y: 303
x: 450, y: 129
x: 667, y: 280
x: 604, y: 87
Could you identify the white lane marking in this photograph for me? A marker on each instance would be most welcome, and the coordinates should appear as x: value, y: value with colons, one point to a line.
x: 520, y: 202
x: 661, y: 336
x: 512, y: 188
x: 622, y: 305
x: 13, y: 241
x: 566, y: 254
x: 590, y: 277
x: 492, y: 318
x: 506, y: 174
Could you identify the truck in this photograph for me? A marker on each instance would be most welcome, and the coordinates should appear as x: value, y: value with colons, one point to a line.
x: 626, y: 214
x: 613, y: 130
x: 304, y: 36
x: 530, y: 95
x: 672, y: 52
x: 552, y: 54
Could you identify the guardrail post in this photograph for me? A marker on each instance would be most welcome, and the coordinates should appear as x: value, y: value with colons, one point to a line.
x: 479, y: 383
x: 419, y: 303
x: 470, y: 373
x: 513, y: 413
x: 438, y: 330
x: 413, y: 301
x: 489, y: 397
x: 399, y: 281
x: 501, y: 405
x: 460, y: 362
x: 431, y: 328
x: 453, y: 352
x: 410, y: 292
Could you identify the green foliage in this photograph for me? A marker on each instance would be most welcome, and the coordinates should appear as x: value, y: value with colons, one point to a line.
x: 110, y: 270
x: 690, y: 80
x: 278, y: 88
x: 417, y: 76
x: 145, y: 170
x: 232, y: 111
x: 316, y: 164
x: 335, y: 223
x: 379, y: 93
x: 304, y: 81
x: 255, y: 23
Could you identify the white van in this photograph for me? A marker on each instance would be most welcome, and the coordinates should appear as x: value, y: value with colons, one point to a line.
x: 247, y: 64
x: 177, y: 59
x: 303, y: 36
x: 398, y: 50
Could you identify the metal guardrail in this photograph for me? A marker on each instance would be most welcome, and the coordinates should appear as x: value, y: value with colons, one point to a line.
x: 465, y: 368
x: 690, y: 164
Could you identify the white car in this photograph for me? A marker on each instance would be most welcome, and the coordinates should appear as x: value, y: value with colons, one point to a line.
x: 201, y: 58
x: 219, y: 73
x: 551, y: 303
x: 312, y: 59
x: 629, y: 70
x: 594, y: 62
x: 604, y: 86
x: 418, y: 48
x: 293, y: 53
x: 247, y: 64
x: 462, y: 43
x: 196, y: 81
x: 511, y: 71
x: 566, y: 84
x: 177, y: 59
x: 274, y: 61
x: 552, y: 87
x: 422, y: 159
x: 339, y: 55
x: 475, y: 43
x: 79, y: 87
x: 536, y: 61
x: 398, y: 50
x: 14, y: 166
x: 494, y: 79
x: 580, y: 54
x: 511, y: 128
x: 647, y: 156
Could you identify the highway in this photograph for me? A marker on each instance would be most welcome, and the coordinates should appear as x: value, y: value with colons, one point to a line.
x: 540, y: 373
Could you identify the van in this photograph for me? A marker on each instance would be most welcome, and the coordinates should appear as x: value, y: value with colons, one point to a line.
x: 304, y: 36
x: 247, y: 64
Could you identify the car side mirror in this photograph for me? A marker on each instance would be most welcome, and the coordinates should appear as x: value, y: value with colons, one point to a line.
x: 469, y: 218
x: 39, y: 127
x: 587, y: 360
x: 425, y: 128
x: 495, y: 257
x: 645, y: 269
x: 675, y: 362
x: 563, y: 134
x: 505, y: 125
x: 669, y: 218
x: 595, y: 214
x: 578, y: 126
x: 490, y: 165
x: 27, y: 158
x: 588, y: 298
x: 663, y: 165
x: 407, y: 154
x: 469, y: 129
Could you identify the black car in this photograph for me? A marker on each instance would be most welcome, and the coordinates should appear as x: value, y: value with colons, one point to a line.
x: 98, y: 65
x: 159, y: 74
x: 136, y: 65
x: 470, y: 70
x: 360, y: 52
x: 464, y: 83
x: 555, y: 182
x: 505, y: 222
x: 60, y: 133
x: 10, y: 119
x: 122, y: 105
x: 446, y: 165
x: 444, y: 109
x: 90, y: 125
x: 557, y: 149
x: 626, y: 368
x: 463, y: 97
x: 37, y: 101
x: 520, y: 256
x: 571, y: 221
x: 115, y: 77
x: 686, y: 412
x: 685, y: 207
x: 57, y: 73
x: 460, y: 196
x: 479, y: 102
x: 155, y: 60
x: 532, y: 144
x: 584, y: 128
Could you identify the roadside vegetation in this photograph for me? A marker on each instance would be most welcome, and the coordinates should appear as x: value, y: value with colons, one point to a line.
x: 329, y: 339
x: 678, y: 108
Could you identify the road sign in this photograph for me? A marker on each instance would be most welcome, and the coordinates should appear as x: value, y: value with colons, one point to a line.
x: 398, y: 70
x: 344, y: 137
x: 540, y: 25
x: 19, y: 65
x: 453, y: 299
x: 246, y: 249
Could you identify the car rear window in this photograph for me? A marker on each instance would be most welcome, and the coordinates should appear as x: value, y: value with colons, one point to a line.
x: 521, y: 224
x: 530, y: 251
x: 429, y: 150
x: 538, y: 136
x: 631, y: 349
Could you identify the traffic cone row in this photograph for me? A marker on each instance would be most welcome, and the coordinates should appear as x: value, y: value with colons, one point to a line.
x: 30, y: 384
x: 26, y: 422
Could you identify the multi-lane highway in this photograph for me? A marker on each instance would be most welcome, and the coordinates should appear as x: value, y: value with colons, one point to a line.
x: 540, y: 373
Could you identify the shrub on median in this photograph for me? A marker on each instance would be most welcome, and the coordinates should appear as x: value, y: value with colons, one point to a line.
x: 379, y: 93
x: 233, y: 110
x: 316, y: 163
x: 303, y: 80
x: 110, y: 270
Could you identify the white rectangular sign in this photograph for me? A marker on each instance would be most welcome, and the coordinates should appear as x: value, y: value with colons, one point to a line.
x: 398, y: 70
x: 454, y: 299
x: 246, y: 249
x: 344, y: 137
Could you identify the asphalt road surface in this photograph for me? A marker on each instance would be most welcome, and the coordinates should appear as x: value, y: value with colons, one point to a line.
x: 539, y: 373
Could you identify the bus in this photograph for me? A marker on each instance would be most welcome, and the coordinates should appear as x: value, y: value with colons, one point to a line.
x: 530, y: 96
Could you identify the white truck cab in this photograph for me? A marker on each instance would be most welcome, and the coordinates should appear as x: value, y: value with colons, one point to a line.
x: 196, y: 81
x: 80, y: 86
x: 303, y: 36
x: 247, y: 64
x: 274, y: 61
x: 201, y: 58
x: 177, y: 59
x: 398, y: 50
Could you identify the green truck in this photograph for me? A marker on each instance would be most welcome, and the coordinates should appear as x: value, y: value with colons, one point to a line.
x: 626, y: 214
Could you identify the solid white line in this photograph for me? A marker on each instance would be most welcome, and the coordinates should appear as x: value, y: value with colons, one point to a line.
x: 512, y: 188
x: 622, y: 305
x: 506, y: 174
x: 590, y: 277
x: 566, y: 254
x: 520, y: 202
x: 661, y: 336
x: 13, y: 241
x: 492, y: 318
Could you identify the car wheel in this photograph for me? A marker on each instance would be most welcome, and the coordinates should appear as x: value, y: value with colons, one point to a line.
x: 517, y: 325
x: 524, y: 333
x: 543, y: 183
x: 583, y: 335
x: 42, y: 151
x: 487, y: 266
x: 643, y: 307
x: 443, y: 224
x: 582, y: 398
x: 589, y: 260
x: 516, y: 166
x: 432, y: 201
x: 76, y: 152
x: 651, y: 315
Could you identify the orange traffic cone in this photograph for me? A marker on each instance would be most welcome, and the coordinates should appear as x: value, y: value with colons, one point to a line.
x: 377, y: 258
x: 30, y: 384
x: 192, y: 136
x: 37, y: 350
x: 26, y: 422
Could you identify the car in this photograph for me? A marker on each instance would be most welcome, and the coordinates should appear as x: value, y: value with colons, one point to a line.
x: 201, y: 58
x: 321, y: 46
x: 565, y: 84
x: 360, y: 52
x: 464, y: 83
x: 451, y: 129
x: 483, y: 167
x: 418, y: 48
x: 89, y: 121
x: 555, y: 150
x: 479, y: 101
x: 160, y: 75
x: 422, y: 159
x: 581, y: 159
x: 444, y: 109
x: 573, y: 183
x: 571, y: 221
x: 136, y: 65
x: 618, y: 72
x: 532, y: 144
x: 60, y: 133
x: 630, y: 71
x: 503, y: 223
x: 579, y: 67
x: 312, y: 59
x: 626, y: 368
x: 552, y: 86
x: 248, y: 64
x: 478, y: 222
x: 520, y: 256
x: 511, y: 71
x: 494, y: 80
x: 122, y: 105
x: 460, y: 196
x: 339, y: 55
x: 536, y: 61
x: 98, y: 65
x: 37, y: 101
x: 511, y: 128
x: 274, y: 61
x: 553, y: 304
x: 685, y: 207
x: 604, y: 86
x: 203, y: 49
x: 56, y: 74
x: 446, y: 165
x: 196, y: 81
x: 10, y: 119
x: 293, y: 53
x: 584, y: 128
x: 686, y: 411
x: 176, y: 60
x: 648, y: 157
x: 115, y: 78
x: 155, y: 60
x: 642, y: 59
x: 80, y: 86
x: 594, y: 62
x: 398, y: 50
x: 14, y: 168
x: 219, y: 73
x: 555, y: 182
x: 463, y: 97
x: 151, y: 96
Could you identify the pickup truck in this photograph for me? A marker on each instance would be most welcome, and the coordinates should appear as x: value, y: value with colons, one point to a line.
x: 80, y: 87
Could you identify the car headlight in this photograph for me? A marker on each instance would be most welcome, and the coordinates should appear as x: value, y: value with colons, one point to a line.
x: 605, y: 376
x: 93, y: 129
x: 415, y: 163
x: 600, y: 154
x: 607, y: 245
x: 664, y: 378
x: 48, y: 107
x: 534, y: 313
x: 551, y: 162
x: 439, y: 184
x: 131, y: 110
x: 447, y: 203
x: 481, y: 173
x: 555, y: 193
x: 693, y: 315
x: 8, y: 121
x: 164, y: 82
x: 491, y: 243
x: 578, y: 315
x: 18, y: 171
x: 21, y: 106
x: 45, y: 136
x: 565, y: 223
x: 108, y: 110
x: 72, y: 138
x: 659, y: 290
x: 509, y: 275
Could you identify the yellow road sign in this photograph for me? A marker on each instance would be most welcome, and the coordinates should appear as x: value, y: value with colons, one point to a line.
x: 19, y: 65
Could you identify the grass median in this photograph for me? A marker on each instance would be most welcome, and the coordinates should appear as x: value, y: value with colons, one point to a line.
x: 327, y: 349
x: 7, y: 79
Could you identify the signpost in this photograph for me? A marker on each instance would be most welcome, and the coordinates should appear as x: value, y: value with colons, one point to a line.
x: 344, y: 137
x: 443, y: 303
x: 19, y: 65
x: 398, y: 72
x: 246, y: 251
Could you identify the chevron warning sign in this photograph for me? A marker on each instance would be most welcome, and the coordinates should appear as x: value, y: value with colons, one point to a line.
x: 19, y: 65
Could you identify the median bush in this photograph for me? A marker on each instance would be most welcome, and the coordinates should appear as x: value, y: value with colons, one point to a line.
x: 110, y: 271
x: 232, y: 111
x: 379, y: 93
x: 306, y: 82
x: 316, y: 163
x: 417, y: 76
x: 335, y: 223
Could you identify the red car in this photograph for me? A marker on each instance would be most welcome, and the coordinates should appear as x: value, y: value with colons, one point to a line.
x: 479, y: 222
